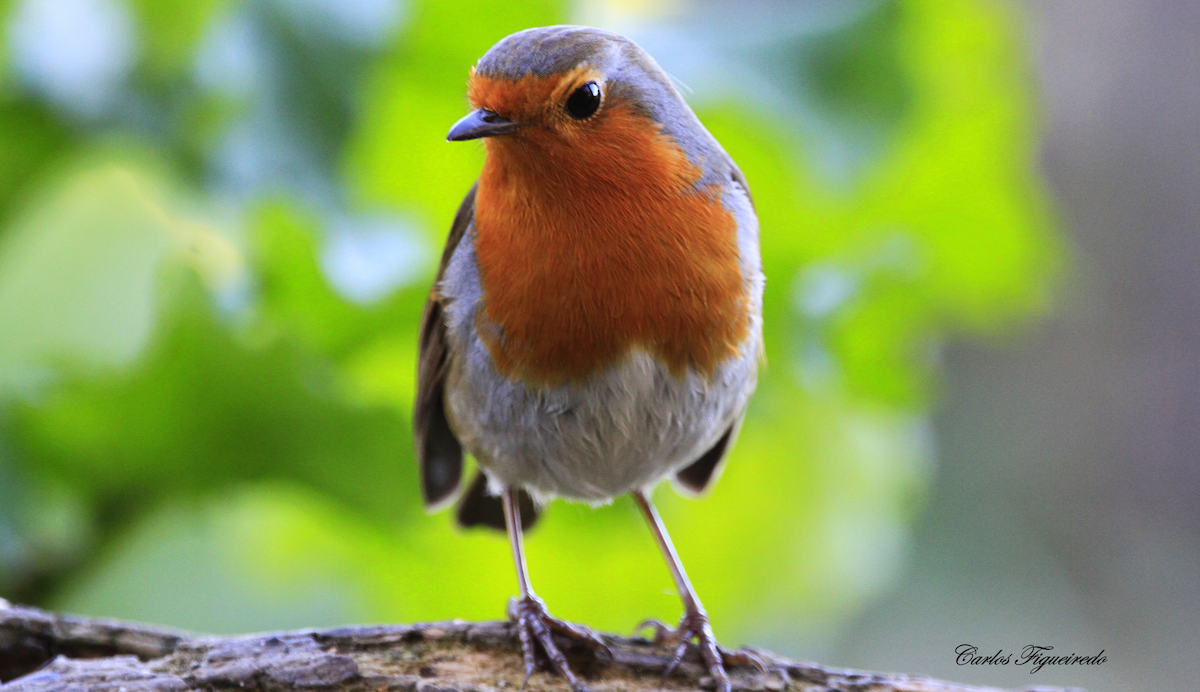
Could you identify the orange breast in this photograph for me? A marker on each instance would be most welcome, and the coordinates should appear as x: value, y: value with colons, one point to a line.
x: 596, y: 242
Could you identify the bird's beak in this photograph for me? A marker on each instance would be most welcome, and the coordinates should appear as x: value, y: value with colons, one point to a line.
x: 480, y: 123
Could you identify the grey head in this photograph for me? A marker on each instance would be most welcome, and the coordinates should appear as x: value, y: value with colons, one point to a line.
x: 629, y: 73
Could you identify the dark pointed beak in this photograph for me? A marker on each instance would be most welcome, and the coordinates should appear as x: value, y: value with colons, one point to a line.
x: 480, y: 123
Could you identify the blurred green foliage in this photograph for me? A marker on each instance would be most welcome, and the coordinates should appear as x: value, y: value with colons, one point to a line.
x: 200, y: 428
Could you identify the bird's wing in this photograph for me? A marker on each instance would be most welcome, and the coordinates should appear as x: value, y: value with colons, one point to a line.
x: 439, y: 453
x: 478, y: 507
x: 695, y: 478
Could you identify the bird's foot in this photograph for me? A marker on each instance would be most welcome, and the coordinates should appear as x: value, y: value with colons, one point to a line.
x: 536, y: 628
x: 694, y: 625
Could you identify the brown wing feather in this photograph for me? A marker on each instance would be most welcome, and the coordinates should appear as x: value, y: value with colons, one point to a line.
x: 439, y: 453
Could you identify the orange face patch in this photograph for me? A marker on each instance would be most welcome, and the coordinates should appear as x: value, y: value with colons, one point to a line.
x: 591, y: 240
x: 527, y: 99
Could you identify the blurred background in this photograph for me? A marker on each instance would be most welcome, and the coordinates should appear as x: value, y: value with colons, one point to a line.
x: 219, y: 220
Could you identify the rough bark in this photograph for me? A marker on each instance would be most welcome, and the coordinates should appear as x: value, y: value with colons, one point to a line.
x: 47, y: 652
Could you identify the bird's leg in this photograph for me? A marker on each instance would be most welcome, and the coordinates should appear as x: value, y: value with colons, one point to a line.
x: 535, y: 626
x: 694, y: 623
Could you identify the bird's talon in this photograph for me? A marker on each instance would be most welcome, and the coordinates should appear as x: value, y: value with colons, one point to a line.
x: 583, y: 635
x: 679, y: 652
x: 744, y: 657
x: 694, y: 626
x: 663, y: 633
x: 535, y: 624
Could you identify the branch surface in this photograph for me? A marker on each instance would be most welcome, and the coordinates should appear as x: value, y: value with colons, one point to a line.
x: 48, y: 652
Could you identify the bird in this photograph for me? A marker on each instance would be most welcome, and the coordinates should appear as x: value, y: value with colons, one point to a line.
x: 595, y: 325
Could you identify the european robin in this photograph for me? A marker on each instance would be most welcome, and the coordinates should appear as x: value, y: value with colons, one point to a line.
x: 596, y: 322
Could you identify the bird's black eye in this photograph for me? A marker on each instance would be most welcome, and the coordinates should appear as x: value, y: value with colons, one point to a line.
x: 584, y: 101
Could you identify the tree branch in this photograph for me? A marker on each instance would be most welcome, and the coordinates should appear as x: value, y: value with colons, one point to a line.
x: 47, y: 652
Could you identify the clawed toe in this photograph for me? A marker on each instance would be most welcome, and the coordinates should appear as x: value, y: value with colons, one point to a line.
x: 694, y: 625
x: 536, y: 628
x: 663, y: 633
x: 744, y: 657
